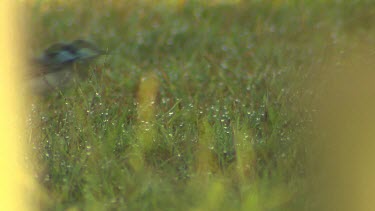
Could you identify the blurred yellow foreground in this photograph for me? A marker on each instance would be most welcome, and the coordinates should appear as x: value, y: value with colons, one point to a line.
x: 15, y: 183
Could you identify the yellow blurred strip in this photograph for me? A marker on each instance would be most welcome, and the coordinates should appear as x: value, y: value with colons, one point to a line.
x: 342, y: 170
x: 206, y: 164
x: 145, y: 130
x: 245, y: 155
x: 14, y: 180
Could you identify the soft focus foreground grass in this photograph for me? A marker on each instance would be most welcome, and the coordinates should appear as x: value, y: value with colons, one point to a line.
x: 198, y: 106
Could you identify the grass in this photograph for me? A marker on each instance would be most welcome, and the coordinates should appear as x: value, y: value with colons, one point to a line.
x: 198, y: 106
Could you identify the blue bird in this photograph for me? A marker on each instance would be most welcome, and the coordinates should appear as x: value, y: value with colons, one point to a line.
x: 54, y: 69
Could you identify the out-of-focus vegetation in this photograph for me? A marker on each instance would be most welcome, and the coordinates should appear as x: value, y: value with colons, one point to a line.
x: 201, y: 106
